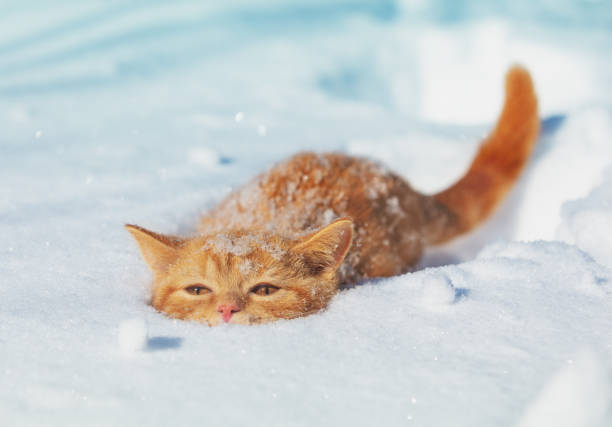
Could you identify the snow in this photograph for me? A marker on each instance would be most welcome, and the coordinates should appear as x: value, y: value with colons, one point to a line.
x: 117, y: 113
x: 577, y: 396
x: 132, y: 335
x: 438, y: 290
x: 587, y: 222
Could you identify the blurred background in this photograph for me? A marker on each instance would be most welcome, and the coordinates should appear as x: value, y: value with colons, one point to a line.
x: 423, y: 59
x: 119, y: 96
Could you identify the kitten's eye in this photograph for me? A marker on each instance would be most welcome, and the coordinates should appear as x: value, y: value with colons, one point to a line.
x: 264, y: 289
x: 197, y: 289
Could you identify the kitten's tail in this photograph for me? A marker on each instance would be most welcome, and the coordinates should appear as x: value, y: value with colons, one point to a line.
x: 498, y: 163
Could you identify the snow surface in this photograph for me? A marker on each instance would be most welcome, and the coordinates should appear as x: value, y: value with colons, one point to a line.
x: 151, y: 112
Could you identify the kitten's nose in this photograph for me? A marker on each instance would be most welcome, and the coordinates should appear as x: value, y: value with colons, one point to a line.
x: 227, y: 310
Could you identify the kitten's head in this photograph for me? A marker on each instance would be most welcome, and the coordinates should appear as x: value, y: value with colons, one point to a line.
x: 244, y: 276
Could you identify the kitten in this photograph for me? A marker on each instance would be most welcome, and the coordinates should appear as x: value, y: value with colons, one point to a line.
x: 281, y: 246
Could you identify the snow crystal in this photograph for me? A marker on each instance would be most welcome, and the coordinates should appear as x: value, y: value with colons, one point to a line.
x: 241, y: 245
x: 235, y: 245
x: 394, y: 208
x: 246, y: 267
x: 329, y: 216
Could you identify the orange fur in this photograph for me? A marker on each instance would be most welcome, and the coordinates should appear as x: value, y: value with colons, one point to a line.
x: 231, y: 264
x: 273, y: 250
x: 499, y: 161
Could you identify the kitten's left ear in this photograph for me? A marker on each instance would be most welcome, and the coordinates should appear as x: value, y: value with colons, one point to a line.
x: 327, y: 248
x: 158, y: 251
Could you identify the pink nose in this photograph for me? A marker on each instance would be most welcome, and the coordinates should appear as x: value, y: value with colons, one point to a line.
x: 227, y: 310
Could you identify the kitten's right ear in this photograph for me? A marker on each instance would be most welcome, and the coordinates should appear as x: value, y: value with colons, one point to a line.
x: 158, y: 251
x: 327, y: 248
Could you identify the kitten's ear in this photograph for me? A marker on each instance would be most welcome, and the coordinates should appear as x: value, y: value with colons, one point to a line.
x: 158, y: 251
x: 327, y: 248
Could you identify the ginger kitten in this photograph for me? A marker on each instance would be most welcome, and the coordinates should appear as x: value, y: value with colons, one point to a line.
x: 281, y: 246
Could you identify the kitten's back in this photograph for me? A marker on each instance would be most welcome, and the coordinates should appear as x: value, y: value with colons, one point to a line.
x: 308, y: 191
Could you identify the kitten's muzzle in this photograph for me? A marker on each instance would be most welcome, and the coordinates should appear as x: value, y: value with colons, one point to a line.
x: 227, y: 311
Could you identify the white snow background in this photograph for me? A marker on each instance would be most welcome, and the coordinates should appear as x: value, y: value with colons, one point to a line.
x: 151, y: 112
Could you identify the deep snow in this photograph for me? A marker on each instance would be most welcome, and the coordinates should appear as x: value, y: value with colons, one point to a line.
x: 150, y: 112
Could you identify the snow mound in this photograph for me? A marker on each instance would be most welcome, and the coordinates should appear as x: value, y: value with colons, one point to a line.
x: 438, y: 290
x: 579, y: 395
x: 132, y: 335
x: 204, y: 156
x: 587, y: 222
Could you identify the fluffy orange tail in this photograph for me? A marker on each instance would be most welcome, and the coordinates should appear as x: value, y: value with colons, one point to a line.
x: 499, y: 161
